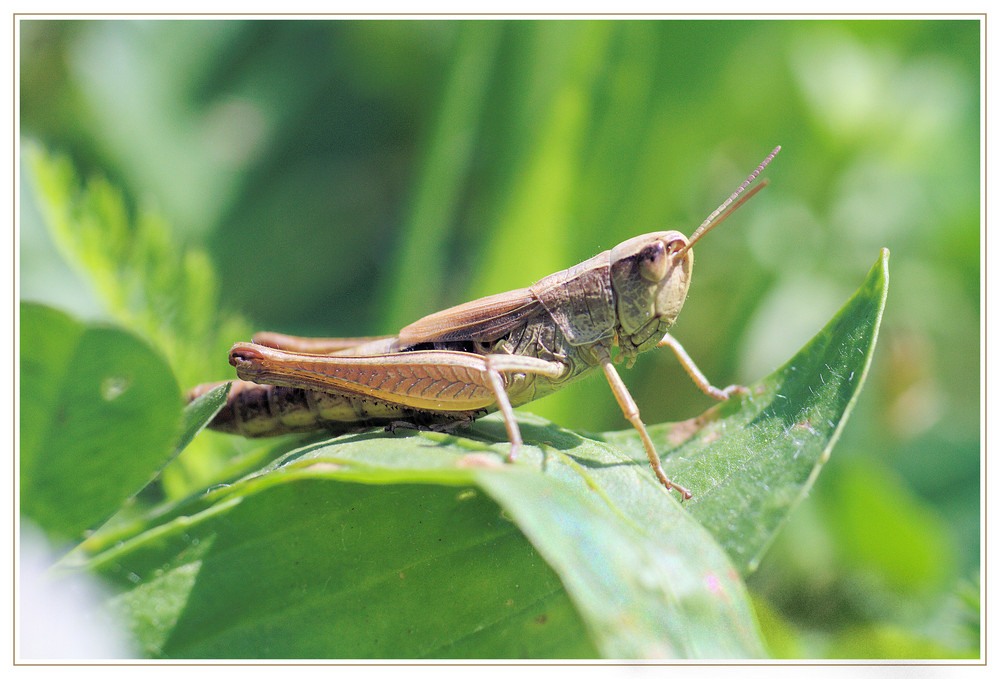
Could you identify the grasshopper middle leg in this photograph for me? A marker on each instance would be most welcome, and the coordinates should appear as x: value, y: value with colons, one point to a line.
x: 631, y: 412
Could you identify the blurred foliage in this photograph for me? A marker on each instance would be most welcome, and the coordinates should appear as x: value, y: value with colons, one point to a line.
x: 141, y: 278
x: 347, y: 177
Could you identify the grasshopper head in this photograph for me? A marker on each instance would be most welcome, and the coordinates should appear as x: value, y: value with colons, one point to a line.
x: 650, y: 275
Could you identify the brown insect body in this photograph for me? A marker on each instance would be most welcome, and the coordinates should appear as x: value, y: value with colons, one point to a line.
x: 547, y: 325
x: 497, y: 352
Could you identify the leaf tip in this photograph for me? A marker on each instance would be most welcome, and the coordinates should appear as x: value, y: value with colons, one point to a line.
x: 883, y: 260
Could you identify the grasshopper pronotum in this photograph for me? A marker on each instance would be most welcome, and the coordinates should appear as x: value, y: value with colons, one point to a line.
x: 494, y: 353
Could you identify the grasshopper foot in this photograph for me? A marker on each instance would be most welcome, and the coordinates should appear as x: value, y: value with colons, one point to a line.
x: 391, y: 427
x: 445, y: 427
x: 732, y: 390
x: 685, y: 493
x: 671, y: 485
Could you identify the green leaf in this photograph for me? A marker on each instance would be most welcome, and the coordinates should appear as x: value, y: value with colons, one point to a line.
x: 426, y: 544
x: 99, y: 416
x: 749, y: 461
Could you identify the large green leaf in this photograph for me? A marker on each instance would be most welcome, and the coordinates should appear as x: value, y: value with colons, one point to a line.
x: 99, y: 416
x: 425, y: 544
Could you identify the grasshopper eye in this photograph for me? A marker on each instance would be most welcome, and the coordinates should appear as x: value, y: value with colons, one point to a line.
x: 653, y: 262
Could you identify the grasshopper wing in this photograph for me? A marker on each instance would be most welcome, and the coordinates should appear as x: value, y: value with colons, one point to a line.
x: 482, y: 320
x: 320, y: 345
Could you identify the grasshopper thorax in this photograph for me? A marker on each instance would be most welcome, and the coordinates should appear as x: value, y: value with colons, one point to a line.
x: 650, y: 275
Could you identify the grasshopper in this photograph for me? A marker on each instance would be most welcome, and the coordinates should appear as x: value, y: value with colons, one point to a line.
x: 494, y: 353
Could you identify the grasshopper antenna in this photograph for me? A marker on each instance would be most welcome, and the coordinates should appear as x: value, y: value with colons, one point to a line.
x: 717, y: 217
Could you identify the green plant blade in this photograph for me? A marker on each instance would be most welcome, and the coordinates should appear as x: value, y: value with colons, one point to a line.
x: 199, y: 412
x: 99, y: 416
x: 750, y: 461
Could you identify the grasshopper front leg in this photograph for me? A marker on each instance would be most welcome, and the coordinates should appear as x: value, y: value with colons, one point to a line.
x: 696, y: 375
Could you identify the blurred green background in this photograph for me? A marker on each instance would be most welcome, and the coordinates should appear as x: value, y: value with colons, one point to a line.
x: 347, y: 177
